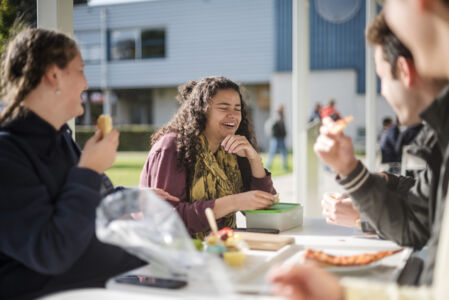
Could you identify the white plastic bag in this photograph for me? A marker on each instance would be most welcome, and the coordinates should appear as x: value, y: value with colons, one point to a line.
x: 146, y: 226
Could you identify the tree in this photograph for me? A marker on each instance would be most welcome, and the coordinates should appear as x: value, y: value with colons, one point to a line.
x: 14, y: 16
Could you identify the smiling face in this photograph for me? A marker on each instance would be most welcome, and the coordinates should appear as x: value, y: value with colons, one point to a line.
x: 224, y: 115
x: 405, y: 100
x: 72, y: 84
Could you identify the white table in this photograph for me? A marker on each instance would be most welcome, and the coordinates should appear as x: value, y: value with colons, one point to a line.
x: 314, y: 233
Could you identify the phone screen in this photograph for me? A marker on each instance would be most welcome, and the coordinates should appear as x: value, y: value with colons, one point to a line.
x: 144, y: 280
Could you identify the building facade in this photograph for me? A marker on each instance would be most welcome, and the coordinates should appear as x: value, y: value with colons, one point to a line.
x: 136, y: 54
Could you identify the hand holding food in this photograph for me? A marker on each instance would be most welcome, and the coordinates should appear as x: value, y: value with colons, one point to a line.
x: 339, y: 125
x: 253, y: 200
x: 276, y: 199
x: 335, y: 150
x: 99, y: 153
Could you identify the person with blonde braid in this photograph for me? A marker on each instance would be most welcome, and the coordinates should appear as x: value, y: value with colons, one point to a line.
x: 49, y: 189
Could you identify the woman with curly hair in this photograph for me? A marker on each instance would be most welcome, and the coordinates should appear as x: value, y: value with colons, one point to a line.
x: 206, y: 156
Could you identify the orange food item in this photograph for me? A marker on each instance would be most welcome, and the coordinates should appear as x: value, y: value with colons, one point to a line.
x: 328, y: 260
x: 340, y: 125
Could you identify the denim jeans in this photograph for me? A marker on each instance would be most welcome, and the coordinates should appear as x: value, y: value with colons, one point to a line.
x: 275, y: 145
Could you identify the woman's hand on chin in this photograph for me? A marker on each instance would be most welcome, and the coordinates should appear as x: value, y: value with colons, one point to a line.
x: 239, y: 144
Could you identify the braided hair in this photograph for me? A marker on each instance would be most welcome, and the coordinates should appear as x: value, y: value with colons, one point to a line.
x: 25, y: 61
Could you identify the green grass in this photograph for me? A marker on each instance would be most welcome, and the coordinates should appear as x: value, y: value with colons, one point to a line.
x: 128, y: 165
x: 276, y: 167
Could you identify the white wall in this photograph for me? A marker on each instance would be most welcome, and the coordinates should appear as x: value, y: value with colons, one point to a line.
x: 232, y: 38
x: 164, y: 105
x: 337, y: 84
x: 258, y: 115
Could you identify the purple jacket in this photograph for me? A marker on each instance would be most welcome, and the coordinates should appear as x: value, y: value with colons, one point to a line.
x: 161, y: 171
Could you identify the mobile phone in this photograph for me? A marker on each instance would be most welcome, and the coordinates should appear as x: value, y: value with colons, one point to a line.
x: 144, y: 280
x: 259, y: 230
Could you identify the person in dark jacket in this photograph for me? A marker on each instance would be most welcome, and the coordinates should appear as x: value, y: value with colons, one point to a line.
x: 393, y: 140
x: 49, y: 189
x: 315, y: 116
x: 410, y: 219
x: 426, y: 37
x: 277, y: 133
x: 388, y: 140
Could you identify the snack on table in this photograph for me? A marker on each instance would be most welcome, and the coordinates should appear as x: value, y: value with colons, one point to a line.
x: 228, y: 244
x: 339, y: 125
x: 104, y: 123
x: 276, y: 199
x: 328, y: 260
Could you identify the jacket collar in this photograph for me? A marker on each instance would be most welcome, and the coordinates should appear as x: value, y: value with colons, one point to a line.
x: 437, y: 117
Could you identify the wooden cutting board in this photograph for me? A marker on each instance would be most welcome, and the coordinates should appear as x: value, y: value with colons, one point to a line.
x: 265, y: 241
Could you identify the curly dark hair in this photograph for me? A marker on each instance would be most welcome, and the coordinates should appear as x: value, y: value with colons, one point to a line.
x: 190, y: 119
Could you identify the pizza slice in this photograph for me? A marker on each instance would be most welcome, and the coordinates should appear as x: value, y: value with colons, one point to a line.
x: 327, y: 260
x: 339, y: 125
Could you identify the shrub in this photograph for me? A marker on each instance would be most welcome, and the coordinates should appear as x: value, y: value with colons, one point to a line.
x: 132, y: 137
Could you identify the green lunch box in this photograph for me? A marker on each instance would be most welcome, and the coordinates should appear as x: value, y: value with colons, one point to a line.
x: 282, y: 216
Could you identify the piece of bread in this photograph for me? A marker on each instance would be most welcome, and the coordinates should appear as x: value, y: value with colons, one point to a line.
x: 104, y: 123
x: 276, y: 199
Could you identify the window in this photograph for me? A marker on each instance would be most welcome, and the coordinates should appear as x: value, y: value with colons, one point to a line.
x: 89, y: 43
x: 123, y: 44
x: 136, y: 44
x: 153, y: 43
x: 90, y: 52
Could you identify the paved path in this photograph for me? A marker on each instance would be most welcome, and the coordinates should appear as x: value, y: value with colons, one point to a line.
x: 285, y: 185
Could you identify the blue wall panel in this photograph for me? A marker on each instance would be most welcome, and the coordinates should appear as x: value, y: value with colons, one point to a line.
x: 332, y: 46
x: 283, y: 36
x: 338, y: 46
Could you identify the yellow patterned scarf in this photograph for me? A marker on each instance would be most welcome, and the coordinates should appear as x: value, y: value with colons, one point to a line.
x: 215, y: 176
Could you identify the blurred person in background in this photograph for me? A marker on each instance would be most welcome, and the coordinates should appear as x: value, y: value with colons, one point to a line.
x: 316, y: 114
x: 277, y: 132
x: 330, y: 111
x: 387, y: 141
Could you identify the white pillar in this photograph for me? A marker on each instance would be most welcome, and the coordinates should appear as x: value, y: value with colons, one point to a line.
x: 300, y: 83
x: 371, y: 95
x: 56, y: 15
x: 107, y: 106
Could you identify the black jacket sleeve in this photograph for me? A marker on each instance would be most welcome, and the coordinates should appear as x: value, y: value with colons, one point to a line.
x: 46, y: 235
x: 395, y: 212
